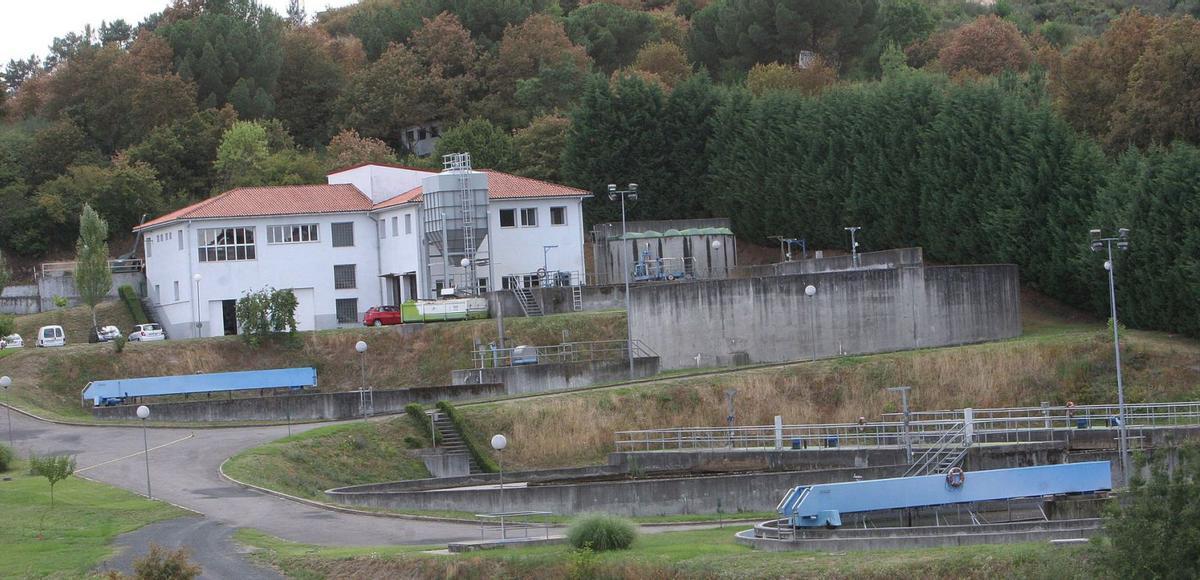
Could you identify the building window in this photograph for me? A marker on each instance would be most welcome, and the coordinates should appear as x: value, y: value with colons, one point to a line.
x: 157, y: 294
x: 434, y: 132
x: 347, y: 310
x: 407, y: 223
x: 529, y: 217
x: 343, y: 277
x: 149, y: 247
x: 421, y: 134
x: 180, y: 238
x: 177, y: 290
x: 411, y: 136
x: 508, y: 218
x: 292, y: 234
x: 382, y: 227
x: 225, y: 244
x: 343, y: 234
x: 395, y: 226
x: 483, y: 287
x: 558, y: 216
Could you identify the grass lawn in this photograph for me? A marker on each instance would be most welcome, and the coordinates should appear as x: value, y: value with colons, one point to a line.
x: 707, y: 553
x: 73, y: 537
x: 307, y: 464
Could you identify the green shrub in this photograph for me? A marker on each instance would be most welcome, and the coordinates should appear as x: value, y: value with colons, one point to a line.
x: 411, y: 442
x: 8, y: 325
x: 601, y: 532
x: 6, y: 458
x: 133, y: 304
x: 119, y: 343
x: 164, y: 564
x: 416, y: 414
x: 483, y: 460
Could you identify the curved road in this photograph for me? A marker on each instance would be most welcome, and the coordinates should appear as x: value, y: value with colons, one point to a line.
x: 183, y: 471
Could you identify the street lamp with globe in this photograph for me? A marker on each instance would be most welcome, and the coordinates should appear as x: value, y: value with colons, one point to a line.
x: 499, y: 442
x: 6, y: 382
x: 811, y: 292
x: 143, y: 413
x: 361, y: 347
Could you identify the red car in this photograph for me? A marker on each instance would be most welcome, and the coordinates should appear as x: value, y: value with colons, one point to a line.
x: 381, y: 315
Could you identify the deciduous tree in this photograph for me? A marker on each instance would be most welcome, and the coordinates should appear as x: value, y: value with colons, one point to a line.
x: 988, y: 45
x: 93, y: 278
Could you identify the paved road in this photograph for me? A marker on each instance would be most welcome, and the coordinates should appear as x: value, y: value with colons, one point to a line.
x: 209, y: 544
x: 184, y: 472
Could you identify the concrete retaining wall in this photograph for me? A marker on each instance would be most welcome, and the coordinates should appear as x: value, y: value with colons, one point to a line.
x: 855, y: 312
x: 20, y: 300
x: 300, y: 407
x: 557, y: 300
x: 556, y: 376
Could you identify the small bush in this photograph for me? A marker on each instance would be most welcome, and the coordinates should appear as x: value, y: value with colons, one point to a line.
x: 7, y: 457
x: 411, y: 442
x: 133, y: 304
x: 601, y: 532
x: 119, y: 343
x: 164, y: 564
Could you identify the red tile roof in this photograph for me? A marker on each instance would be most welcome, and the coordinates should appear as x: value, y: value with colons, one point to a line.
x: 314, y: 199
x: 268, y: 201
x: 501, y: 186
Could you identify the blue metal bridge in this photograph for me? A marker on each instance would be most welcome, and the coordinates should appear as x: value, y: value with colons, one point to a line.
x: 116, y: 391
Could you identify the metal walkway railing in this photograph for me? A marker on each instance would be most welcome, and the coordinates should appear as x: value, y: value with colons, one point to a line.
x: 559, y: 353
x: 926, y: 428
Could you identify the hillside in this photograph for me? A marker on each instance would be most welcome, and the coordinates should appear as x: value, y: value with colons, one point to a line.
x: 396, y: 357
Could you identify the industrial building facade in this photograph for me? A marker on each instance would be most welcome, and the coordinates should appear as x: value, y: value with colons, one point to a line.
x: 373, y: 235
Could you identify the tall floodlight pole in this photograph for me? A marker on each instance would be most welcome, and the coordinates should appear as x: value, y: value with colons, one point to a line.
x: 853, y: 244
x: 1099, y: 242
x: 143, y: 413
x: 811, y: 292
x: 908, y: 450
x: 6, y: 382
x: 196, y: 299
x: 632, y: 193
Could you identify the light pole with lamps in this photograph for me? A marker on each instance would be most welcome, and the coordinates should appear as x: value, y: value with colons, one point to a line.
x: 6, y: 382
x: 143, y: 413
x: 196, y: 299
x: 811, y: 292
x: 908, y: 450
x: 499, y: 442
x: 361, y: 347
x: 853, y: 244
x: 1100, y: 242
x: 716, y: 245
x: 630, y: 192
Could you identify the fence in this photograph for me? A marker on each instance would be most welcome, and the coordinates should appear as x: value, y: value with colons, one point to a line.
x: 116, y: 266
x: 926, y: 428
x: 566, y: 352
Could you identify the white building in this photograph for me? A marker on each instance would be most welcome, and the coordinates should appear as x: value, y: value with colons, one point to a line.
x: 357, y: 242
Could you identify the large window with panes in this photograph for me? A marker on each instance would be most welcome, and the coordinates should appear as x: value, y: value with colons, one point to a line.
x: 225, y: 244
x: 347, y: 310
x: 293, y: 234
x: 343, y: 234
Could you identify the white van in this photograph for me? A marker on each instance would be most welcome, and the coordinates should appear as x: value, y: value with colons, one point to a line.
x: 51, y: 336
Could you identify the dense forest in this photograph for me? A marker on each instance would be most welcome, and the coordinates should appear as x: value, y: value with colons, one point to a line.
x: 982, y: 131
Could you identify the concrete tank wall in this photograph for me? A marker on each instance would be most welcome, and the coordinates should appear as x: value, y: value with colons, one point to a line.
x: 853, y: 312
x: 300, y: 407
x: 557, y: 376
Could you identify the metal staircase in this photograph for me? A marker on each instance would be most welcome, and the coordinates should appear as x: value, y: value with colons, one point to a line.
x: 449, y: 439
x: 529, y: 304
x: 945, y: 453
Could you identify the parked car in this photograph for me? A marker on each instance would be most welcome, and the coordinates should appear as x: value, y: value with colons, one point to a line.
x: 381, y: 315
x: 147, y: 333
x: 51, y: 336
x: 106, y: 333
x: 12, y: 341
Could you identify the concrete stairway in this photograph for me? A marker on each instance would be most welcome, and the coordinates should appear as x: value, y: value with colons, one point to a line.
x: 450, y: 441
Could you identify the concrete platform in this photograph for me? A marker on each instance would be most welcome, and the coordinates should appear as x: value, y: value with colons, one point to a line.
x: 498, y: 544
x: 923, y: 536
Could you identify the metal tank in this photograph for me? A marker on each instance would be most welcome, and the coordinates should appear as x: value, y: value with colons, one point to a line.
x: 454, y: 207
